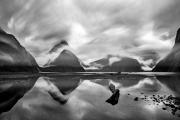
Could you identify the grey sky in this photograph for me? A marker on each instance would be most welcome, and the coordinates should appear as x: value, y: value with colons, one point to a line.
x: 93, y: 28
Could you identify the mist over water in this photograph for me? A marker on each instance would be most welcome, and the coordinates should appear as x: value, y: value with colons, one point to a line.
x: 141, y: 97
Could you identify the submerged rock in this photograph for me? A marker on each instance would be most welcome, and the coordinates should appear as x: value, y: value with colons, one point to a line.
x: 136, y: 99
x: 169, y: 102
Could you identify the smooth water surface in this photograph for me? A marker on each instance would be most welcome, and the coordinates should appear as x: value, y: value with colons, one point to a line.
x: 142, y: 97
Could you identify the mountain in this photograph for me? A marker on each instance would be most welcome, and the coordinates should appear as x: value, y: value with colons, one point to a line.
x: 116, y: 64
x: 14, y: 57
x: 65, y: 62
x: 171, y: 63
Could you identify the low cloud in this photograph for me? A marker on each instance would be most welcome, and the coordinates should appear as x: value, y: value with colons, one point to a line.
x: 93, y: 29
x: 58, y: 46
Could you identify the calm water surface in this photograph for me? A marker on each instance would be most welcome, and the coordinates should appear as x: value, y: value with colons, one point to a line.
x: 142, y: 97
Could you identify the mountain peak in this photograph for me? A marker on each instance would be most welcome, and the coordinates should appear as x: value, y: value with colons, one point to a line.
x: 66, y: 57
x: 66, y: 61
x: 65, y: 51
x: 177, y: 39
x: 171, y: 62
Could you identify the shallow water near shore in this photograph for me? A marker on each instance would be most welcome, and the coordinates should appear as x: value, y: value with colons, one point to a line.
x: 143, y: 96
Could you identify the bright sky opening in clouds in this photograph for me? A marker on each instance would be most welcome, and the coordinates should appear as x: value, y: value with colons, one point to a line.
x: 141, y: 29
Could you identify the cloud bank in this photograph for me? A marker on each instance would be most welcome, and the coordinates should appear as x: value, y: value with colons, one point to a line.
x: 94, y: 29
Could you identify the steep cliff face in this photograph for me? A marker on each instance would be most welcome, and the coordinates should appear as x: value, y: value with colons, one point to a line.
x: 124, y: 64
x: 65, y: 62
x: 171, y: 63
x: 14, y: 57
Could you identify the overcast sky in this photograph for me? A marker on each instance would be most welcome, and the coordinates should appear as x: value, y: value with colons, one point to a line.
x: 141, y: 29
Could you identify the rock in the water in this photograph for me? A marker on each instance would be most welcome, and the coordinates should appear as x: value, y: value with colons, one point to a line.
x: 14, y: 57
x: 136, y: 99
x: 112, y: 88
x: 113, y: 100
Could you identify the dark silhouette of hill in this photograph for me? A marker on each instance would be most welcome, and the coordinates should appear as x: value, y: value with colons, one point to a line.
x: 13, y: 56
x: 171, y: 63
x: 125, y: 64
x: 65, y: 62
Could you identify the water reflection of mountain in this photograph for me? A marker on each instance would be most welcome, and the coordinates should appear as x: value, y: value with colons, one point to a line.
x: 13, y: 89
x: 87, y: 95
x: 173, y: 82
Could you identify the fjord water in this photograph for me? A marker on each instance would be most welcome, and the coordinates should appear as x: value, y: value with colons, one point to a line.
x: 142, y: 97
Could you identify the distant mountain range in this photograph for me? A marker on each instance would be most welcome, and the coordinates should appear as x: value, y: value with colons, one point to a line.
x: 116, y: 64
x: 171, y: 63
x: 15, y: 58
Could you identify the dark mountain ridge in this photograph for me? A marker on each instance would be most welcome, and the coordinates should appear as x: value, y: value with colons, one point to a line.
x: 125, y: 64
x: 171, y: 63
x: 14, y: 57
x: 66, y: 61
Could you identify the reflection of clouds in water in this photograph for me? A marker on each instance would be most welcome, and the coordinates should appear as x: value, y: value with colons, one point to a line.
x: 148, y: 86
x: 87, y: 102
x: 144, y: 82
x: 150, y: 107
x: 107, y: 82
